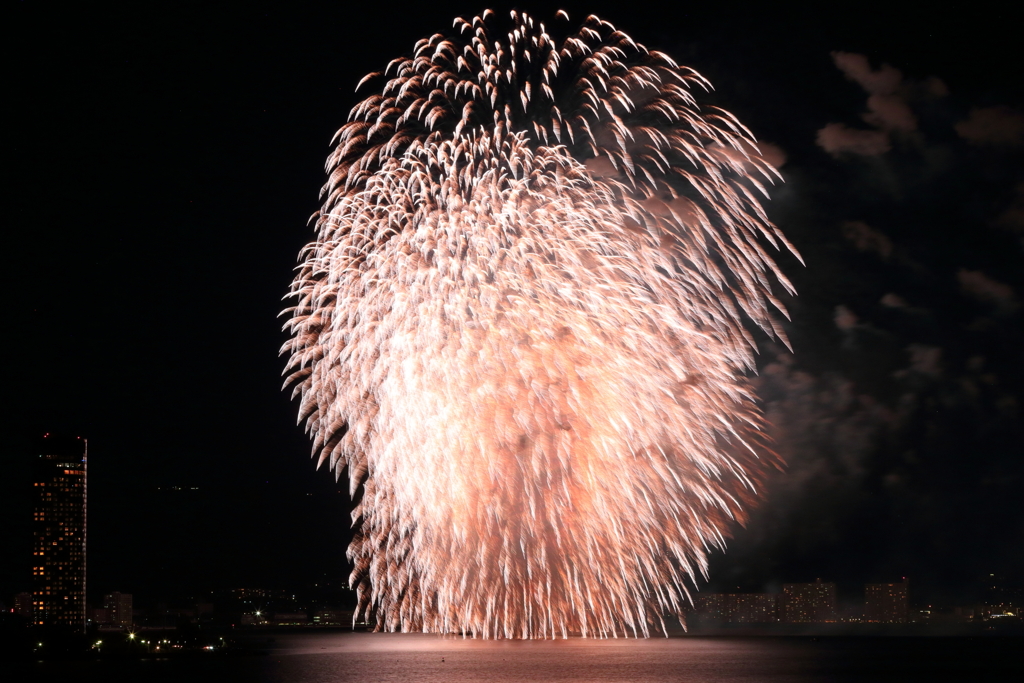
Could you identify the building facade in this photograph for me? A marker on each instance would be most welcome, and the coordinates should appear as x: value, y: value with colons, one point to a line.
x: 805, y: 603
x: 23, y: 605
x: 886, y: 603
x: 119, y: 608
x: 59, y: 533
x: 738, y: 608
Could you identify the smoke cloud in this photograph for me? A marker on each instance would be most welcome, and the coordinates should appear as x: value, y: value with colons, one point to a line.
x: 837, y: 139
x: 993, y: 126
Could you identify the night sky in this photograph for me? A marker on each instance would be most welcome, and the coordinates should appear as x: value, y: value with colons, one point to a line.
x: 162, y: 160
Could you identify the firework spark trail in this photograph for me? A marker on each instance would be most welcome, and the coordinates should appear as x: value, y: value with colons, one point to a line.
x: 521, y: 329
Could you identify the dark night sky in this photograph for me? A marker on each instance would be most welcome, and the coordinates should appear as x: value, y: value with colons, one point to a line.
x: 163, y: 159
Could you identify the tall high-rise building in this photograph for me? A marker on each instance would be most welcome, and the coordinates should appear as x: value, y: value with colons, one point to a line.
x: 120, y: 608
x: 886, y: 602
x: 808, y: 602
x: 58, y: 532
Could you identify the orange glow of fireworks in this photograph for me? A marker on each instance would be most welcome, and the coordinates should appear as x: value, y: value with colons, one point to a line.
x: 521, y: 330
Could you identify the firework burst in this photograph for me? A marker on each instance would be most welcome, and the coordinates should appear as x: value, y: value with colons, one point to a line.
x: 522, y: 331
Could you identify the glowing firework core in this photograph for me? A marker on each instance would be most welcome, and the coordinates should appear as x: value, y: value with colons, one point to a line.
x: 521, y: 330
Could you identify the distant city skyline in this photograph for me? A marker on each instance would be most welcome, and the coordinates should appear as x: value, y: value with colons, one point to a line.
x: 59, y: 516
x: 806, y: 603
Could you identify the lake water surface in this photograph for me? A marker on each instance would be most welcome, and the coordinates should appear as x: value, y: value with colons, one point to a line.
x: 365, y: 657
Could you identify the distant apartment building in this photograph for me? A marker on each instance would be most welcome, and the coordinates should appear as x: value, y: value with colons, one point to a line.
x: 99, y: 616
x: 58, y: 533
x: 332, y: 617
x: 805, y: 603
x: 886, y: 603
x: 1001, y: 596
x: 119, y: 609
x: 738, y: 608
x: 23, y: 605
x: 290, y: 618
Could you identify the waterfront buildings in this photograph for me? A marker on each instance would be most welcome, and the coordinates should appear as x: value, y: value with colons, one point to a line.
x: 804, y: 603
x: 119, y: 608
x: 886, y: 603
x: 739, y: 608
x: 799, y: 603
x: 23, y: 605
x: 59, y: 533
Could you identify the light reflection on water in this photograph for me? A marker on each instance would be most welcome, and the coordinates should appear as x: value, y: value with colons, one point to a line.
x: 330, y: 658
x: 325, y: 657
x: 402, y: 658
